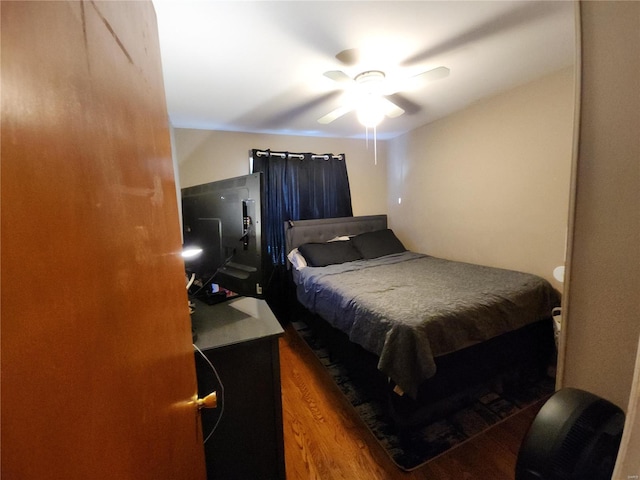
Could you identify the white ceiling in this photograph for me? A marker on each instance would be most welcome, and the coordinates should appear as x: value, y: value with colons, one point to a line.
x: 257, y: 66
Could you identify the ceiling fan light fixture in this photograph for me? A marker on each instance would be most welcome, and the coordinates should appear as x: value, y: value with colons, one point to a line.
x: 370, y: 113
x: 370, y: 81
x: 373, y: 96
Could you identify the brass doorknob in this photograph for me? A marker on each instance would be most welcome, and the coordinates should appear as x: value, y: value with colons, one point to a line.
x: 210, y: 401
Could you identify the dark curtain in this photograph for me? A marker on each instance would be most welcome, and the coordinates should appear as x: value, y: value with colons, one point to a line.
x: 300, y: 186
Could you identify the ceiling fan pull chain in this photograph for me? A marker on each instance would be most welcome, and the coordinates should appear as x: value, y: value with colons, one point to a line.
x: 375, y: 144
x: 375, y: 147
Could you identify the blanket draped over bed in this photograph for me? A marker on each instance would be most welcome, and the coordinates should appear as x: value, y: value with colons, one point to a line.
x: 408, y: 308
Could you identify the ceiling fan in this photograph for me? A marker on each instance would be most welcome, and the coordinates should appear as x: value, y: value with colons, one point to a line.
x: 372, y: 94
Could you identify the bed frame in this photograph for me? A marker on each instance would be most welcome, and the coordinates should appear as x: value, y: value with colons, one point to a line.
x: 503, y: 360
x: 307, y: 231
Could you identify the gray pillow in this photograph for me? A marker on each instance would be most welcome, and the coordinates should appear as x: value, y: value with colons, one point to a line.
x: 377, y: 244
x: 323, y: 254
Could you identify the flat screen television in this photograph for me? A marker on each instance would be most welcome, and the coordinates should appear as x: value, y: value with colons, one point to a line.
x: 224, y: 219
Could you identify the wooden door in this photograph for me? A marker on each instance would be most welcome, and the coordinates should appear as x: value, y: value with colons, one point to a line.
x: 98, y: 373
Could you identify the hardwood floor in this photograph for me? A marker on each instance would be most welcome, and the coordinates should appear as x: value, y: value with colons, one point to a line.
x: 326, y: 440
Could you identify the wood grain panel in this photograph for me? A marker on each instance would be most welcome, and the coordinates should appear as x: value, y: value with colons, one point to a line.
x: 97, y: 363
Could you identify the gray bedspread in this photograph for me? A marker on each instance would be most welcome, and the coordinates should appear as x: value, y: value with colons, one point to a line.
x: 409, y: 308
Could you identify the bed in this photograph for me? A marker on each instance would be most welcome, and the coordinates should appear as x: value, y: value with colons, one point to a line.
x: 430, y: 324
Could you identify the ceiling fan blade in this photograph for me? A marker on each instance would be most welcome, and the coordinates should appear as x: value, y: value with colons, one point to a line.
x: 434, y: 74
x: 287, y: 116
x: 338, y: 76
x: 349, y: 57
x: 522, y: 13
x: 417, y: 81
x: 335, y: 114
x: 404, y: 103
x: 391, y: 109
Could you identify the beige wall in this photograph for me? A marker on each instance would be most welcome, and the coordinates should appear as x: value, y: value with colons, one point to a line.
x: 205, y: 156
x: 490, y: 184
x: 602, y: 307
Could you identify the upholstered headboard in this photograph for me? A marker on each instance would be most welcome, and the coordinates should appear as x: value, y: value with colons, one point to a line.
x: 322, y: 230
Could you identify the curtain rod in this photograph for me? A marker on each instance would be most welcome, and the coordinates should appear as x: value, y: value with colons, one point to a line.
x: 260, y: 153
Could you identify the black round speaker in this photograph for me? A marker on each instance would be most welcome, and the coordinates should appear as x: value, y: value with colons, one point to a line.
x: 575, y: 435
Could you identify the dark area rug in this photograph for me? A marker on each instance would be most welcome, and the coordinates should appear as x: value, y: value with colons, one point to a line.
x: 409, y: 448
